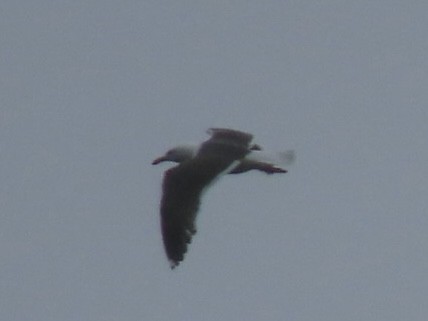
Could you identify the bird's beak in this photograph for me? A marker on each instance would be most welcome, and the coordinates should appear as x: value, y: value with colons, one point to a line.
x: 159, y: 160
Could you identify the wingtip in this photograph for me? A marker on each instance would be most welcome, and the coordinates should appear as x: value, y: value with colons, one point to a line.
x: 173, y: 264
x: 276, y: 170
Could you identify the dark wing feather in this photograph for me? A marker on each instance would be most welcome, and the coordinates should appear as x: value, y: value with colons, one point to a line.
x: 229, y: 136
x: 182, y: 189
x: 226, y: 143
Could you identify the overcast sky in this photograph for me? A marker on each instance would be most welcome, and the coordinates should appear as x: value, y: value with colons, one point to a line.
x: 92, y: 91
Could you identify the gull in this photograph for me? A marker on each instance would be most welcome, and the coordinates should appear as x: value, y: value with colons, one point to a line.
x: 228, y: 151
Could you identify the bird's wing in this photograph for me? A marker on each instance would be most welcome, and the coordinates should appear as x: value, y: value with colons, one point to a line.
x: 182, y: 187
x: 246, y: 165
x: 226, y: 143
x: 229, y: 136
x: 269, y: 163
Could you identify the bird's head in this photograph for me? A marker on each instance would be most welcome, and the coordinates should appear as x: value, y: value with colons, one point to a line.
x: 177, y: 154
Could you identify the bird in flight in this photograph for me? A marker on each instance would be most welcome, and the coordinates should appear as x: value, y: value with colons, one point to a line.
x: 228, y: 151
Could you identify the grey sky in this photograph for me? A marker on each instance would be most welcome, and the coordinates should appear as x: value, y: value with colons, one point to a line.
x: 92, y: 91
